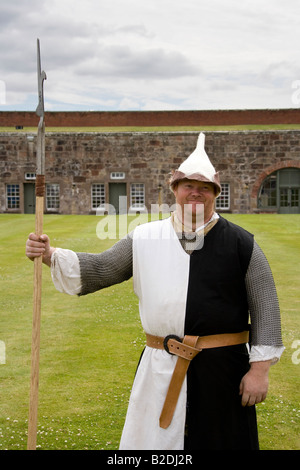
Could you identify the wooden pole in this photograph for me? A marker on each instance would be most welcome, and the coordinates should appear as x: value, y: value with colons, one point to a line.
x: 36, y: 322
x: 37, y: 289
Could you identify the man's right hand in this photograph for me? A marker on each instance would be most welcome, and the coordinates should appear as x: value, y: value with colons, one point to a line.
x: 39, y: 246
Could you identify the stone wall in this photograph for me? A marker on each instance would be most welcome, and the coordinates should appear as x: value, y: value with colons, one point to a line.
x: 76, y: 160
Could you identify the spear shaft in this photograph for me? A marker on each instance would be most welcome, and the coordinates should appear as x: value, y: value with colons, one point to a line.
x: 37, y: 289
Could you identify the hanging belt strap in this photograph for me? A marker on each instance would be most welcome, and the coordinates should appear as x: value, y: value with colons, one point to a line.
x: 186, y: 350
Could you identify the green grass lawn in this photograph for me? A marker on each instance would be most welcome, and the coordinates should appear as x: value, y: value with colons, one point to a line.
x: 85, y: 379
x: 245, y: 127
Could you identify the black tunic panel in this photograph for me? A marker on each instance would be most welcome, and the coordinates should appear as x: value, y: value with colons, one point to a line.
x: 217, y: 298
x: 216, y: 420
x: 217, y: 303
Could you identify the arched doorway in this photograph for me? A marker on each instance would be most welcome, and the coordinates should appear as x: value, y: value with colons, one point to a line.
x: 280, y: 192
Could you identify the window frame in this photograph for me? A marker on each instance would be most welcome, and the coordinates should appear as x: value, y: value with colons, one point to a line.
x: 137, y: 191
x: 223, y: 201
x: 15, y: 195
x: 95, y: 195
x: 53, y: 196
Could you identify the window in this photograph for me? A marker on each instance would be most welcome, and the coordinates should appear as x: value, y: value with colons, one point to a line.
x: 13, y: 196
x: 137, y: 196
x: 30, y: 176
x: 223, y: 201
x: 295, y: 197
x: 52, y: 196
x: 280, y: 192
x: 268, y: 192
x: 98, y: 195
x: 117, y: 175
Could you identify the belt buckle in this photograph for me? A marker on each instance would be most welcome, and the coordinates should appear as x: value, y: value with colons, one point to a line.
x: 166, y: 339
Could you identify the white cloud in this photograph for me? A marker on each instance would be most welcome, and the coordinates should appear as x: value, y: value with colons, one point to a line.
x: 163, y: 54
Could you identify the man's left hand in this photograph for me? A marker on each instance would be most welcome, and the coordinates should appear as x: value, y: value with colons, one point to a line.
x: 254, y: 385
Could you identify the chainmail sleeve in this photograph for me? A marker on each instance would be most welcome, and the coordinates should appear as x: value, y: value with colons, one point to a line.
x: 262, y: 301
x: 106, y: 269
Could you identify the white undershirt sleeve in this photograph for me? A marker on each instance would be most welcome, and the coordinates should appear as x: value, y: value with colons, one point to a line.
x: 265, y: 353
x: 65, y: 271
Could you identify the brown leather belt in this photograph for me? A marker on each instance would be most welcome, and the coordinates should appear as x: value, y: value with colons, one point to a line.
x: 186, y: 349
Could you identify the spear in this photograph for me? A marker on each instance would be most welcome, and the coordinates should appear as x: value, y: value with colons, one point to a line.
x: 37, y: 290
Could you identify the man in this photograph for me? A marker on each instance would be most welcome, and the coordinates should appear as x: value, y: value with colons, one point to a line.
x: 197, y: 277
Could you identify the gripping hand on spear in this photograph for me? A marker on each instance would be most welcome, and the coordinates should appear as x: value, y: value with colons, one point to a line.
x: 39, y: 211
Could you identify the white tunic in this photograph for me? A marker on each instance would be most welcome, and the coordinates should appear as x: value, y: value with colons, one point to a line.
x: 160, y: 273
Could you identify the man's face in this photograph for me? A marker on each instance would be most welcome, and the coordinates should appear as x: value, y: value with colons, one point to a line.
x: 195, y: 197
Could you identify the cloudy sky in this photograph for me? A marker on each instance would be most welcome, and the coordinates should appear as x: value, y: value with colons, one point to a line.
x: 150, y: 54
